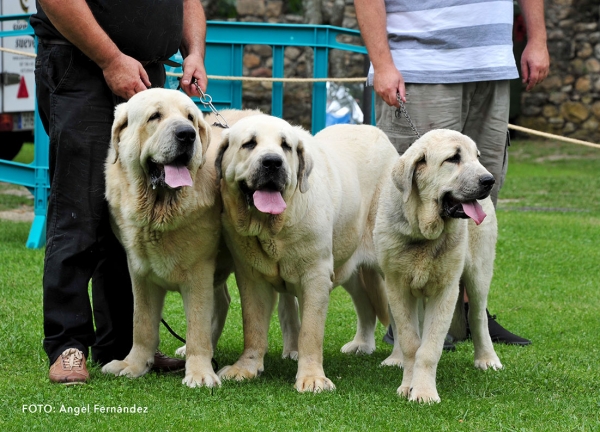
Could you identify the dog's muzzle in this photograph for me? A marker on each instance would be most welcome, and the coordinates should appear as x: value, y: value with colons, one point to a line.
x: 172, y: 171
x: 264, y: 191
x: 467, y: 207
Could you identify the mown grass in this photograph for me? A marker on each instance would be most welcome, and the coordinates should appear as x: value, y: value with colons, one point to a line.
x: 545, y: 288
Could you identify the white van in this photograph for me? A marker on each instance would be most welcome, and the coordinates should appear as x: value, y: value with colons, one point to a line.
x: 17, y: 81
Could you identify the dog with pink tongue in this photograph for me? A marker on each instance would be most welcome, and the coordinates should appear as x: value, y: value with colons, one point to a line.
x: 298, y: 216
x: 435, y: 235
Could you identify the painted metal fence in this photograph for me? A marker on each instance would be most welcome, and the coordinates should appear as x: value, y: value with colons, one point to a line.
x: 225, y: 43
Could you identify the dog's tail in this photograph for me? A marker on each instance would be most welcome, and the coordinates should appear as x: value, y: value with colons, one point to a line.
x: 374, y: 286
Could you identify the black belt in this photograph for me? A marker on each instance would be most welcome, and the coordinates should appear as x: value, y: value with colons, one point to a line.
x: 55, y: 41
x: 144, y: 63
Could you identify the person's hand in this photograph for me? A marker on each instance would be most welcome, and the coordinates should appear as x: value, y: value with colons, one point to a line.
x: 388, y: 83
x: 535, y: 64
x: 193, y: 67
x: 126, y: 76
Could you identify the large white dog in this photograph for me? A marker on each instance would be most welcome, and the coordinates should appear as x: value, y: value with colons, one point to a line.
x: 298, y: 218
x: 165, y: 209
x: 426, y: 246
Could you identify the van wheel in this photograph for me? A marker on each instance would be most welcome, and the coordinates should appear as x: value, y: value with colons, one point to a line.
x: 11, y: 143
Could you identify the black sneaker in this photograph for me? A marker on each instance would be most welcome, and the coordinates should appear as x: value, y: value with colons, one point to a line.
x: 498, y: 333
x: 388, y: 338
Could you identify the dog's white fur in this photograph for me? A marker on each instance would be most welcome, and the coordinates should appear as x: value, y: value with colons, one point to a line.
x: 171, y: 236
x: 424, y: 253
x: 287, y: 304
x: 331, y: 185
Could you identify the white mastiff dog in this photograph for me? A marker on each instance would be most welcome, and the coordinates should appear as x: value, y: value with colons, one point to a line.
x: 165, y: 209
x: 298, y: 218
x: 432, y: 233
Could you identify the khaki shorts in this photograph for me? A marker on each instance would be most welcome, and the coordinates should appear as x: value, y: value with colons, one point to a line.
x: 478, y: 110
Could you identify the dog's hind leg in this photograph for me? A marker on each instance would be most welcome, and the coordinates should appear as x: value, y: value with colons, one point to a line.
x: 220, y: 308
x: 395, y: 358
x: 258, y: 301
x: 458, y: 327
x: 289, y: 321
x: 364, y: 339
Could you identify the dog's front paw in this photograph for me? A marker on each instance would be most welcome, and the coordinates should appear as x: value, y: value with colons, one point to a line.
x: 403, y: 391
x: 393, y: 360
x: 207, y: 379
x: 124, y: 368
x: 237, y: 372
x: 423, y: 395
x: 293, y: 355
x: 358, y: 348
x: 180, y: 351
x: 488, y: 363
x: 315, y: 384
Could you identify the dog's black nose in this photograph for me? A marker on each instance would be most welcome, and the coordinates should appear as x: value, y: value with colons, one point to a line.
x: 272, y: 162
x: 487, y: 181
x: 185, y: 134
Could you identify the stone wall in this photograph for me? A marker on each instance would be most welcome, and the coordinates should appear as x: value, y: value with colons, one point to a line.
x: 567, y: 103
x: 298, y: 62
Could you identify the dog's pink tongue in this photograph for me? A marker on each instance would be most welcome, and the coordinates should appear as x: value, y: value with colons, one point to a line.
x: 269, y: 202
x: 474, y: 210
x: 177, y: 176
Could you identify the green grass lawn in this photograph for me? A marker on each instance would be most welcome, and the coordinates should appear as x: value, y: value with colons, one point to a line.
x: 546, y: 288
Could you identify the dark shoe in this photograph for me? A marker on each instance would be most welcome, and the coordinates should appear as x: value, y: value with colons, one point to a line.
x: 449, y: 343
x: 500, y: 335
x: 69, y: 368
x: 163, y: 363
x: 388, y: 338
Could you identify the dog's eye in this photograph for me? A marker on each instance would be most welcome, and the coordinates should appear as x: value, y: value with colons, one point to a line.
x: 155, y: 116
x: 454, y: 159
x: 191, y: 118
x: 249, y: 145
x: 285, y: 146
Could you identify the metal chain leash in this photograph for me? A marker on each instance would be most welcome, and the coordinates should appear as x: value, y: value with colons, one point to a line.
x: 206, y: 100
x: 402, y: 111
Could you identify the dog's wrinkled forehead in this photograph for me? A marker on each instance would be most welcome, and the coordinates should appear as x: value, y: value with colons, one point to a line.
x: 446, y: 144
x: 156, y: 104
x: 254, y: 131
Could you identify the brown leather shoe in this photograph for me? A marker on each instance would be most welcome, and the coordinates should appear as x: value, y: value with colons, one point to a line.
x: 69, y: 368
x: 163, y: 363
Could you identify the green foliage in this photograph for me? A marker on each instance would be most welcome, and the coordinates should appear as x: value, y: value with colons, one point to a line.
x: 545, y: 288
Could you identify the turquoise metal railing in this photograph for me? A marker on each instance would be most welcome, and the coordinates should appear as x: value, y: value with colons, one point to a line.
x: 225, y: 42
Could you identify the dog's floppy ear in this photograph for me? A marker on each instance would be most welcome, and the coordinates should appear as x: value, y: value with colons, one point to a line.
x: 119, y: 124
x: 204, y: 132
x: 219, y: 160
x: 305, y: 165
x: 404, y: 171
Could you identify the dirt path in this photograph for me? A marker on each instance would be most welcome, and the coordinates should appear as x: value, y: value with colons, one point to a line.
x: 23, y: 213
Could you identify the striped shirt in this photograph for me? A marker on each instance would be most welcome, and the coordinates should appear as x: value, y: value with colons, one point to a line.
x: 451, y: 41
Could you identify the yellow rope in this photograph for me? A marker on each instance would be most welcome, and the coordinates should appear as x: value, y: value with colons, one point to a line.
x: 360, y: 79
x: 552, y: 136
x: 269, y: 79
x: 23, y: 53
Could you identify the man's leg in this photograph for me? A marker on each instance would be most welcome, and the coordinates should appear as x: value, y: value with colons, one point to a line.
x: 486, y: 122
x: 78, y: 111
